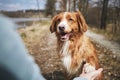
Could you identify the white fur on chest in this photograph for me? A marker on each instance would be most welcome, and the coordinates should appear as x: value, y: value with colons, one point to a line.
x: 67, y: 62
x: 65, y: 48
x: 66, y: 59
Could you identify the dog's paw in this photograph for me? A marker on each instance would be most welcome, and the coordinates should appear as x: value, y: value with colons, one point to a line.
x: 88, y: 68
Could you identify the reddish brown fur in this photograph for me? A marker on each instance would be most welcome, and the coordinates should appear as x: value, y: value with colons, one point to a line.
x: 80, y: 46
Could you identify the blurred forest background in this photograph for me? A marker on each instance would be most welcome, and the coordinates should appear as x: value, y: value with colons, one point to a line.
x: 101, y: 14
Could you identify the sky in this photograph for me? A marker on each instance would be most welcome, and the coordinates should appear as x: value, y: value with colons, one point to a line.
x: 14, y: 5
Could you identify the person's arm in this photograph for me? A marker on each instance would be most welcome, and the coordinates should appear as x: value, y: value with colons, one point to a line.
x: 80, y: 78
x: 92, y: 75
x: 15, y: 62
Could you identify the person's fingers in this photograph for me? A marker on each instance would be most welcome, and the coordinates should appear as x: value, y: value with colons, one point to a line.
x: 87, y: 64
x: 89, y: 68
x: 96, y: 73
x: 84, y: 67
x: 83, y: 70
x: 100, y: 70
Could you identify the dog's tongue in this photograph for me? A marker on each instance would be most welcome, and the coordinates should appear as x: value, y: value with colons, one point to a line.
x: 64, y: 36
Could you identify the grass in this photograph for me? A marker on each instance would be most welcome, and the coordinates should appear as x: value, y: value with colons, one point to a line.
x: 41, y: 44
x: 34, y: 33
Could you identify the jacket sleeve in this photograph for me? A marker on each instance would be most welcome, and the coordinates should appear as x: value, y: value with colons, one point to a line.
x: 80, y: 78
x: 14, y: 58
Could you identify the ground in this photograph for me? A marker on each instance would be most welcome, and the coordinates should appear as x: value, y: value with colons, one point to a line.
x: 41, y: 44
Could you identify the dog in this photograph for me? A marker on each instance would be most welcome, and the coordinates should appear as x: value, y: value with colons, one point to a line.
x: 74, y: 47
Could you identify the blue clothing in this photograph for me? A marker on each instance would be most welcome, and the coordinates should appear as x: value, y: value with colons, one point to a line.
x: 15, y: 62
x: 79, y: 78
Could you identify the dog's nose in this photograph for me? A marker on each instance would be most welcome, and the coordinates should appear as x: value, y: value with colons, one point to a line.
x: 61, y: 28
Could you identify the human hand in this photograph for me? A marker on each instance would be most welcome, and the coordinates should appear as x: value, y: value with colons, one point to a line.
x: 89, y: 72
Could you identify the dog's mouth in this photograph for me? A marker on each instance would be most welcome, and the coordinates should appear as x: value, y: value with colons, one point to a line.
x: 64, y: 36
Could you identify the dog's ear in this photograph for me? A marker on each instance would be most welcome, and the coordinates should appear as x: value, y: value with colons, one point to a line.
x: 53, y: 24
x: 81, y: 22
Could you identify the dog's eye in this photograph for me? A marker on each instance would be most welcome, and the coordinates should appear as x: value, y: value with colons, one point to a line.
x: 70, y: 19
x: 58, y: 20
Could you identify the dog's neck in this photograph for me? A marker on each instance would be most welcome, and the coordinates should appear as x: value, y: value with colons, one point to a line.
x: 67, y: 55
x: 66, y: 47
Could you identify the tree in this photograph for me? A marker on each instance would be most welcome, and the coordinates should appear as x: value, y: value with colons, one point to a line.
x: 83, y: 6
x: 104, y: 14
x: 63, y: 5
x: 68, y: 5
x: 115, y: 16
x: 38, y: 7
x: 50, y: 7
x: 74, y: 5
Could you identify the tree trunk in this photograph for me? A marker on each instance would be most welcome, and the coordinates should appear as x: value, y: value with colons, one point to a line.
x: 74, y: 5
x: 83, y: 6
x: 104, y: 14
x: 50, y: 7
x: 68, y: 5
x: 63, y: 5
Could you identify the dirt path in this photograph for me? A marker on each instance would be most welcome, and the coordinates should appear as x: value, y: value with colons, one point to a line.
x: 42, y: 45
x: 101, y: 40
x: 109, y: 55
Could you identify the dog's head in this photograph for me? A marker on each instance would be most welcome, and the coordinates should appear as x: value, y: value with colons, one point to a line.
x: 68, y: 23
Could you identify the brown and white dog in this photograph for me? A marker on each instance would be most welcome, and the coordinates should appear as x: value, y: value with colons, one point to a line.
x: 73, y: 46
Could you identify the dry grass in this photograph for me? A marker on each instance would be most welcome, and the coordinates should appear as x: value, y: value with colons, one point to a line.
x: 42, y: 45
